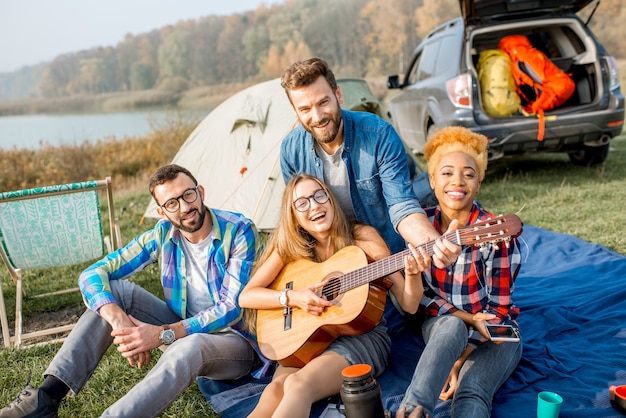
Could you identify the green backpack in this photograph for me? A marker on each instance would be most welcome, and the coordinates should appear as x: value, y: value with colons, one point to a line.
x: 497, y: 85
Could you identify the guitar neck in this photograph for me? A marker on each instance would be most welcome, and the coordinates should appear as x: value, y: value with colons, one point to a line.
x: 500, y: 229
x: 387, y: 265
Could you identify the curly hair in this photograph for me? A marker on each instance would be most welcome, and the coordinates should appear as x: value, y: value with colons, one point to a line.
x: 457, y: 139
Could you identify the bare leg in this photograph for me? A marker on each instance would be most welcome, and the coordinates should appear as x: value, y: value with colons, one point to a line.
x: 292, y: 391
x: 319, y: 379
x: 272, y: 394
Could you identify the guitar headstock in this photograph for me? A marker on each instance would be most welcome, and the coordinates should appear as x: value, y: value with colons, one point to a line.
x: 500, y: 229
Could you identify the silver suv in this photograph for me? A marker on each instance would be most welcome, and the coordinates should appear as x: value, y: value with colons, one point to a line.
x: 441, y: 85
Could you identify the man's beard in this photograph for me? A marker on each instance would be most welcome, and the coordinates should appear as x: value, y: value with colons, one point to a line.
x: 194, y: 226
x: 330, y: 135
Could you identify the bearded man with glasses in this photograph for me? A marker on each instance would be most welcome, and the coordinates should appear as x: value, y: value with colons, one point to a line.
x: 205, y: 257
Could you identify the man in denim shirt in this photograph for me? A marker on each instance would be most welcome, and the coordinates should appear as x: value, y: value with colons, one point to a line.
x: 205, y: 257
x: 361, y: 158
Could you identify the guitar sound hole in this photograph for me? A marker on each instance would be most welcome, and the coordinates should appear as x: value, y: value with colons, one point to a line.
x: 331, y: 290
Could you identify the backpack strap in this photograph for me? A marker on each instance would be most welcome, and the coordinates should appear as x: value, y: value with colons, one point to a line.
x: 542, y: 125
x: 541, y: 128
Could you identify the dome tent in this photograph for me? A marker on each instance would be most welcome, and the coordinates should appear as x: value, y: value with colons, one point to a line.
x: 234, y: 151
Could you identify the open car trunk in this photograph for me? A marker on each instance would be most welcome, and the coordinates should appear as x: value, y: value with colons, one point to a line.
x: 564, y: 41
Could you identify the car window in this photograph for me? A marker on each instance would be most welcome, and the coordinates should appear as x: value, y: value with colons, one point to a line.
x: 429, y: 60
x: 412, y: 76
x: 445, y: 60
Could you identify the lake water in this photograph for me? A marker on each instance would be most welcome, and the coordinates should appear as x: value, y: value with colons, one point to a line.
x: 28, y: 131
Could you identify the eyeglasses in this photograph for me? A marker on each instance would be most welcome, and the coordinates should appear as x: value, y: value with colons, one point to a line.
x: 302, y: 204
x: 173, y: 204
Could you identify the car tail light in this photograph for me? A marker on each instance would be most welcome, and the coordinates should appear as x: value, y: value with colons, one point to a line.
x: 460, y: 90
x: 611, y: 65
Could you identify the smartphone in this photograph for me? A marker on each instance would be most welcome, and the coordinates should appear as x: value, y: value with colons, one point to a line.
x: 503, y: 332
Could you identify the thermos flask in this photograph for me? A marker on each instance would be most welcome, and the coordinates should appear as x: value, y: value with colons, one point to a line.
x: 360, y: 393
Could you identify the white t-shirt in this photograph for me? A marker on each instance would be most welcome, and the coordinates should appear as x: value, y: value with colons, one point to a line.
x: 197, y: 267
x: 336, y: 177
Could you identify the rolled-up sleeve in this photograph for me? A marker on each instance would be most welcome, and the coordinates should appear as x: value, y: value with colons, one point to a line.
x: 94, y: 282
x: 397, y: 186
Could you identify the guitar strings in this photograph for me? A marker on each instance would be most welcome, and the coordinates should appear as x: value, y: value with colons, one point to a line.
x: 388, y: 265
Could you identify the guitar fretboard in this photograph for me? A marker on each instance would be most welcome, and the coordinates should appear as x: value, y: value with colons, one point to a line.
x: 494, y: 230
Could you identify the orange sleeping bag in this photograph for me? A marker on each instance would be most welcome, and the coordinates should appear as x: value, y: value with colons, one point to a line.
x: 541, y: 84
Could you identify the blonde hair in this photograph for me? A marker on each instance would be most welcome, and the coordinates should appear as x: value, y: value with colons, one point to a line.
x: 292, y: 242
x: 457, y: 139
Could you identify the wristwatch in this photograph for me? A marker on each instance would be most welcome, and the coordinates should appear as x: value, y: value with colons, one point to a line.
x: 282, y: 299
x: 167, y: 336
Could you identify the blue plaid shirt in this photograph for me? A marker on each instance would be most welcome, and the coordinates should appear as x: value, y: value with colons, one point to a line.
x: 231, y: 256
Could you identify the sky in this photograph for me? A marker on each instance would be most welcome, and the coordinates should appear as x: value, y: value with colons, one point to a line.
x: 34, y: 31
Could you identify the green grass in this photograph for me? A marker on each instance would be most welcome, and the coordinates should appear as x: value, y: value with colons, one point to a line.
x: 550, y: 192
x: 546, y: 190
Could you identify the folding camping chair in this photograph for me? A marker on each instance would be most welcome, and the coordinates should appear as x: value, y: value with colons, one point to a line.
x: 52, y: 226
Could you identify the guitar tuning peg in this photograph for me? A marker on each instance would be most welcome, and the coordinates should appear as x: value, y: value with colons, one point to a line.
x: 495, y: 246
x: 482, y: 247
x: 507, y: 243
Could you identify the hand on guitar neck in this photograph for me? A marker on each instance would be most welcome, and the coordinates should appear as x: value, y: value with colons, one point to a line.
x: 355, y: 302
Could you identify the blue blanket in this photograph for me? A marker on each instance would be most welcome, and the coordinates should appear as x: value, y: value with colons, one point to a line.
x: 572, y: 296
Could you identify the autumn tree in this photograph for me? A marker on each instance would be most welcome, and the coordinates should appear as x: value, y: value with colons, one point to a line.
x: 124, y: 57
x: 433, y: 13
x: 203, y: 59
x: 144, y: 71
x: 173, y: 54
x: 357, y: 37
x: 57, y: 76
x: 332, y: 30
x: 277, y: 61
x: 256, y: 47
x: 91, y: 74
x: 605, y: 24
x: 389, y: 38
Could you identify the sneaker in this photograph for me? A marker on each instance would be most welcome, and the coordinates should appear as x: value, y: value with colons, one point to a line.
x: 31, y: 403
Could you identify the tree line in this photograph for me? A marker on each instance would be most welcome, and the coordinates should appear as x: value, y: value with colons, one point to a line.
x: 359, y: 38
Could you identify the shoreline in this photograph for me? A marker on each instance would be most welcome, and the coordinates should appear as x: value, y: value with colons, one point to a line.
x: 206, y: 97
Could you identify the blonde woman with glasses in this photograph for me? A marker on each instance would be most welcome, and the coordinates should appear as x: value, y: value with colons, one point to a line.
x: 313, y: 227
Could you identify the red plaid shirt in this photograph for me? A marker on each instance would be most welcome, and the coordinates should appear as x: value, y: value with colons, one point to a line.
x: 479, y: 281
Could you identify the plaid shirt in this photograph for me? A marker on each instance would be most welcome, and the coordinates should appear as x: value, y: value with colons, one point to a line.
x: 476, y: 282
x: 231, y: 256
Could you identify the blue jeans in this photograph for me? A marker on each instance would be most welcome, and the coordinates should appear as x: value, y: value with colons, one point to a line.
x: 223, y: 355
x: 482, y: 374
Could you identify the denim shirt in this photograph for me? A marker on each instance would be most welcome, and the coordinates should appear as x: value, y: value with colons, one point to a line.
x: 380, y: 183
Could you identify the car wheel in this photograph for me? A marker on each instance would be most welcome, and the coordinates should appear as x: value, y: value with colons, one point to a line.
x: 589, y: 155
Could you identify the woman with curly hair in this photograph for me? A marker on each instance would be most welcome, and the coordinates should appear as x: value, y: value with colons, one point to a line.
x: 459, y: 360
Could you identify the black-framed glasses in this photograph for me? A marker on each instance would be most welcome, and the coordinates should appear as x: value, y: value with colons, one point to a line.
x: 302, y: 204
x: 173, y: 204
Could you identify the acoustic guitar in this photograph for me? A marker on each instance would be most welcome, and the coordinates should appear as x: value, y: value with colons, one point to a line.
x: 293, y: 337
